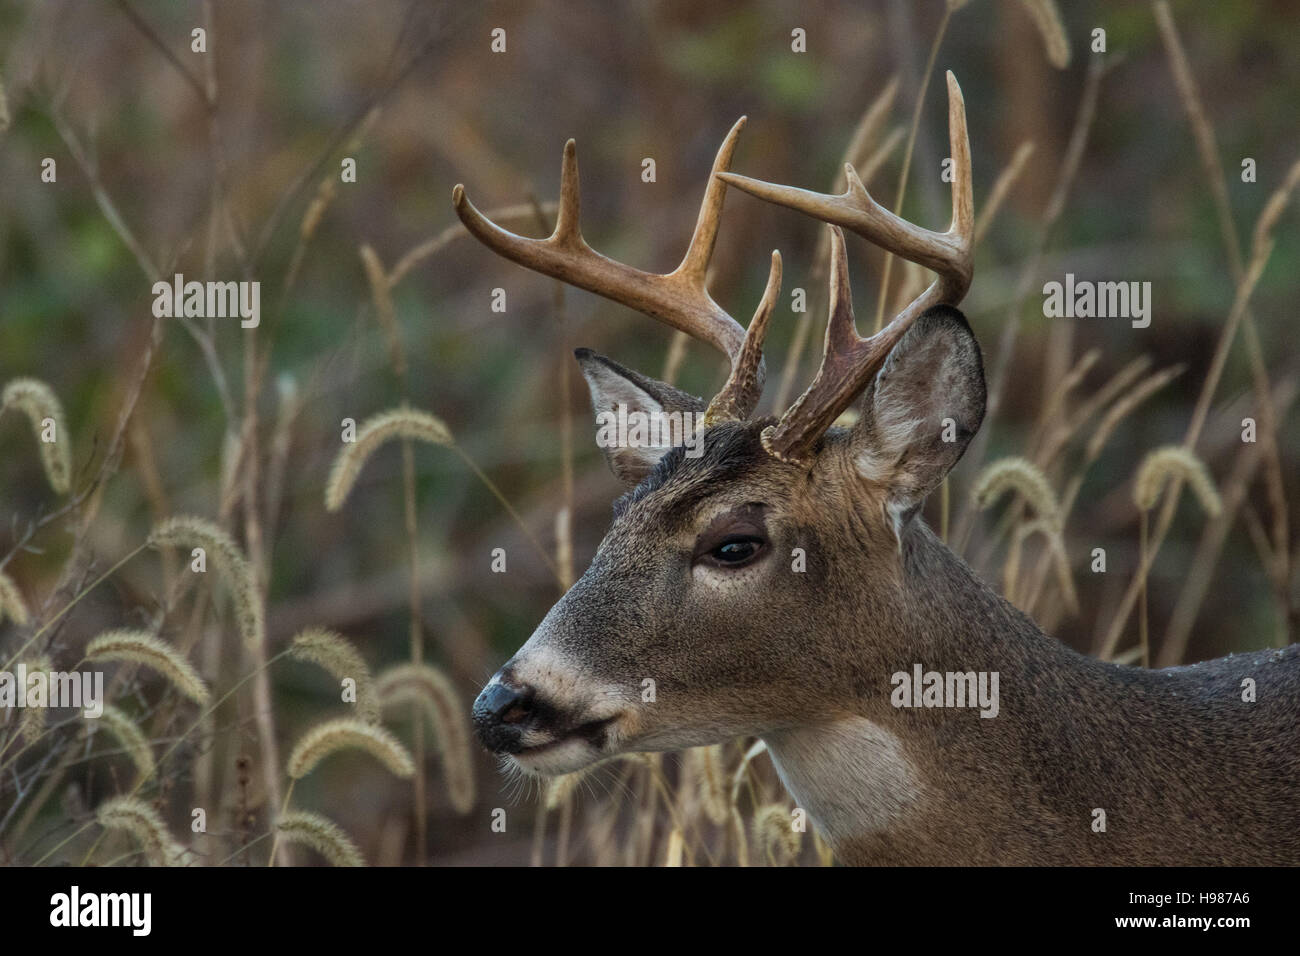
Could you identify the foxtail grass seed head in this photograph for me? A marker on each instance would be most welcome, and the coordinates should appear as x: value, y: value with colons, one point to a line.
x: 145, y: 826
x: 31, y: 723
x: 433, y: 692
x: 128, y: 734
x: 1047, y: 18
x: 381, y: 297
x: 12, y: 604
x: 397, y: 423
x: 141, y: 647
x: 38, y: 402
x: 348, y: 733
x: 1023, y: 476
x: 185, y: 531
x: 1170, y: 462
x: 774, y: 833
x: 336, y: 654
x: 322, y: 835
x: 710, y: 781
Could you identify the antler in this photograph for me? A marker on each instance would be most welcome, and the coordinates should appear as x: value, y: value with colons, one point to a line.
x: 850, y: 361
x: 678, y: 299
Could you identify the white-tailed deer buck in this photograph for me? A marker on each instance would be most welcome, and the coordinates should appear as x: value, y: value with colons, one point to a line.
x: 693, y: 587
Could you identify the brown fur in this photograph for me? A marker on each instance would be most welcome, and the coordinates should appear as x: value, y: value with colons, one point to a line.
x: 1186, y: 772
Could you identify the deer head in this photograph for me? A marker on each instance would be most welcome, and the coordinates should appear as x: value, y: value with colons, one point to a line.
x: 758, y: 583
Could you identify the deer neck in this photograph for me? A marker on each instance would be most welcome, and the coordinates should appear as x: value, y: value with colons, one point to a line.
x: 859, y: 772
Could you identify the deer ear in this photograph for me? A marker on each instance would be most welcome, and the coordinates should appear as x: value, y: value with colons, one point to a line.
x: 612, y: 386
x: 922, y: 410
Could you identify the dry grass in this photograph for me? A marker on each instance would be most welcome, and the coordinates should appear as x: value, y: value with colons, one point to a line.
x: 199, y: 705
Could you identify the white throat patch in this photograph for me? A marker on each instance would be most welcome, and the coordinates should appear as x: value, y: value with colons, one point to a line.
x: 852, y: 776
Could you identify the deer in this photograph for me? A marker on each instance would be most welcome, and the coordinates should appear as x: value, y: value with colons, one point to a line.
x: 693, y: 587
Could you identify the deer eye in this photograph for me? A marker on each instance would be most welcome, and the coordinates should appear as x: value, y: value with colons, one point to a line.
x: 737, y: 550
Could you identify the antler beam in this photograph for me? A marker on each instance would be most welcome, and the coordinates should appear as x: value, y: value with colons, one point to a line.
x: 850, y: 361
x: 678, y: 299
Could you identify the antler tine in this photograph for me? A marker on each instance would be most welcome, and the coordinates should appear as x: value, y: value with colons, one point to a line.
x: 695, y: 263
x: 745, y: 383
x: 850, y: 361
x: 947, y: 253
x: 840, y: 377
x: 568, y: 220
x: 678, y: 299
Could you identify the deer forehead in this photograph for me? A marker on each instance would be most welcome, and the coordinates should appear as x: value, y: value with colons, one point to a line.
x: 682, y: 492
x: 818, y: 504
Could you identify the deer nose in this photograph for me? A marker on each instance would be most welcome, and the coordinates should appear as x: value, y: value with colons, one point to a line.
x: 498, y: 713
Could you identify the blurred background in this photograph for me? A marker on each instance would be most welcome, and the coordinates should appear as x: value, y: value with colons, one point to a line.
x: 226, y: 164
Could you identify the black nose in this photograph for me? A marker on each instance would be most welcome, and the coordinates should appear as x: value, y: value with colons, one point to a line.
x: 500, y: 714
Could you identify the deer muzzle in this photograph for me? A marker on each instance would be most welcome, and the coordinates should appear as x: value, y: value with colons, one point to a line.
x: 516, y: 719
